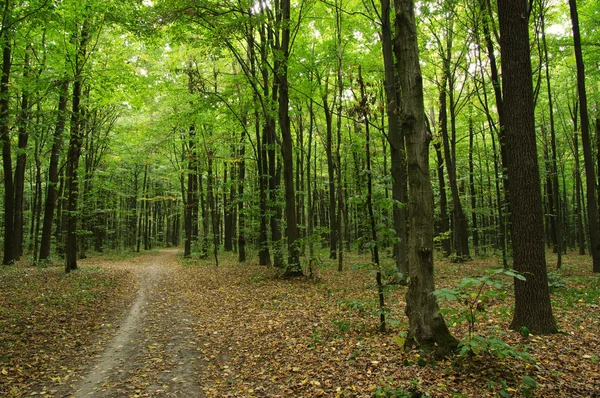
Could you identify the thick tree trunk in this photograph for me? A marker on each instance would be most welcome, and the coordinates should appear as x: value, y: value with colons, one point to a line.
x: 592, y: 205
x: 533, y: 308
x: 427, y: 327
x: 52, y: 194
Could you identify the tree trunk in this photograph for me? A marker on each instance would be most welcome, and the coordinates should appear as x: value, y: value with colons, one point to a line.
x: 556, y: 216
x: 240, y: 199
x: 592, y: 205
x: 444, y: 219
x: 21, y: 163
x: 427, y: 327
x: 333, y: 229
x: 9, y: 189
x: 533, y: 308
x: 374, y: 244
x: 281, y: 80
x: 74, y: 153
x: 396, y: 139
x: 474, y: 229
x: 52, y: 194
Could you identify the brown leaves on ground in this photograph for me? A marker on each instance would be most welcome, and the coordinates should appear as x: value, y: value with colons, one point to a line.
x: 50, y: 321
x: 237, y: 330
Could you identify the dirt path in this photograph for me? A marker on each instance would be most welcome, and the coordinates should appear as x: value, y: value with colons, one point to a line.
x: 154, y: 350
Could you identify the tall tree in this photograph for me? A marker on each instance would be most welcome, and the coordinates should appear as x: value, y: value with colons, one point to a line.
x: 427, y: 327
x: 396, y: 139
x: 9, y: 190
x: 52, y: 189
x: 588, y: 160
x: 533, y: 308
x: 281, y: 80
x: 82, y: 37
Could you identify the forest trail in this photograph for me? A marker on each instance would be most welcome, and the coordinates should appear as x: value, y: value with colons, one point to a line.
x: 153, y: 352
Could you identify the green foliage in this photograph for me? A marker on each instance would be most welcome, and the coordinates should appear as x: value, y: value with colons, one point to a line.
x: 473, y: 294
x: 388, y: 391
x: 556, y: 281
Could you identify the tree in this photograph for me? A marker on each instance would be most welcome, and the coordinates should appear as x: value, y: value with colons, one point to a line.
x: 427, y: 327
x: 590, y: 181
x: 533, y: 309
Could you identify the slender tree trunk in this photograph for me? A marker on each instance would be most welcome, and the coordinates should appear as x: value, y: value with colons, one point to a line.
x: 144, y: 200
x: 21, y: 164
x: 240, y: 199
x: 372, y: 223
x: 52, y: 194
x: 396, y: 139
x: 533, y: 308
x: 9, y: 189
x: 210, y: 197
x: 427, y: 327
x: 281, y: 79
x: 556, y: 216
x: 460, y: 237
x: 338, y: 163
x: 592, y: 204
x: 444, y: 219
x: 474, y: 228
x: 333, y: 228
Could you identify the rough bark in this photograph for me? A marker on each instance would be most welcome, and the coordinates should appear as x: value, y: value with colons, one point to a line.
x: 427, y: 327
x: 533, y: 308
x: 396, y: 139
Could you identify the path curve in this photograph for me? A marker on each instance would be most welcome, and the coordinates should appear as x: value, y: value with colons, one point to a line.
x: 154, y: 350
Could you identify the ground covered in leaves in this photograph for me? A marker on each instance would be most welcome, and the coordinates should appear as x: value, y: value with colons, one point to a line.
x: 158, y: 325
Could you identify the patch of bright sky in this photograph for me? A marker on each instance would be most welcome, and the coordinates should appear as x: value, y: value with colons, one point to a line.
x: 261, y: 5
x: 148, y: 3
x: 557, y: 29
x: 316, y: 32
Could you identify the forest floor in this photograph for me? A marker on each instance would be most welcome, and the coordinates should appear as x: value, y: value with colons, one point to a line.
x: 158, y: 325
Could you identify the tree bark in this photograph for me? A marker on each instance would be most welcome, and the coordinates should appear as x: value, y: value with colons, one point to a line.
x: 281, y: 80
x: 427, y: 327
x: 533, y: 308
x: 9, y: 189
x: 52, y: 194
x: 396, y: 139
x: 21, y: 164
x: 590, y: 181
x: 74, y: 153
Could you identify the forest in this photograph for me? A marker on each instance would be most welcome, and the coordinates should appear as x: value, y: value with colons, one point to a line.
x: 300, y: 198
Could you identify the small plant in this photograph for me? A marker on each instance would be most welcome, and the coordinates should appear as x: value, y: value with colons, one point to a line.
x: 388, y: 391
x: 556, y: 281
x: 475, y: 293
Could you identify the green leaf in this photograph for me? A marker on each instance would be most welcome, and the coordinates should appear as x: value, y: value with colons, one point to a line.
x: 529, y: 381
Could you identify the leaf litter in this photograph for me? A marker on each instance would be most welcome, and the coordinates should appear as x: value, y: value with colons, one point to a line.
x: 238, y: 330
